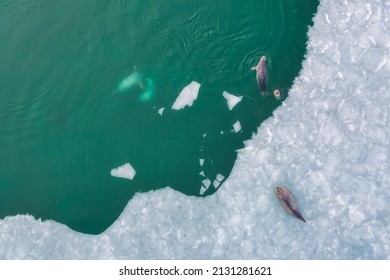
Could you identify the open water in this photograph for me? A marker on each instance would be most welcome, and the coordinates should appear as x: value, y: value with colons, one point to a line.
x: 65, y: 124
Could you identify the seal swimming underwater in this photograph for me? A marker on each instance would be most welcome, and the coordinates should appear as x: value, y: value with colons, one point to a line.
x: 134, y: 79
x: 288, y: 203
x: 149, y: 91
x: 261, y: 74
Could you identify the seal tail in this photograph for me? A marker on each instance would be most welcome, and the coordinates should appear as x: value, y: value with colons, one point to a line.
x: 299, y: 216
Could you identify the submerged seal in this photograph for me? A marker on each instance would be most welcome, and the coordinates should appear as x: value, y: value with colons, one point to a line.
x: 262, y: 74
x: 288, y: 203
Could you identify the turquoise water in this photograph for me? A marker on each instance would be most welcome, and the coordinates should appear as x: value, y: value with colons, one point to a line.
x: 65, y: 124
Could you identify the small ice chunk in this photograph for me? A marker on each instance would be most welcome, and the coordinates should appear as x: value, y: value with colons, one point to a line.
x: 161, y: 110
x: 216, y: 184
x: 125, y: 171
x: 202, y: 190
x: 237, y: 126
x: 201, y: 161
x: 232, y: 100
x: 187, y: 96
x: 204, y: 135
x: 220, y: 177
x: 202, y: 173
x: 221, y: 131
x: 206, y: 183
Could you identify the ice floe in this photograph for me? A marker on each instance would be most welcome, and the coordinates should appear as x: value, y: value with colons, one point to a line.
x: 237, y: 126
x: 125, y: 171
x: 231, y: 99
x: 220, y: 177
x: 206, y: 183
x: 187, y: 96
x: 161, y: 110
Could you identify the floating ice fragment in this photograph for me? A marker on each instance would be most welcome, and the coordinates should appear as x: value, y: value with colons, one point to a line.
x: 206, y: 183
x: 202, y: 190
x: 161, y: 110
x: 232, y: 100
x: 220, y: 177
x: 202, y: 173
x: 216, y: 184
x: 125, y: 171
x: 187, y: 96
x: 201, y: 161
x: 237, y: 126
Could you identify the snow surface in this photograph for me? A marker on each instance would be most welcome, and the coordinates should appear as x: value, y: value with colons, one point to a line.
x: 231, y: 99
x: 187, y: 96
x: 125, y: 171
x: 328, y: 144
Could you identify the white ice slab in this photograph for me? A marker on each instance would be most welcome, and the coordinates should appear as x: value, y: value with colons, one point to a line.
x: 161, y: 110
x: 237, y: 126
x: 202, y: 190
x: 187, y: 96
x: 231, y: 99
x: 220, y: 177
x: 125, y: 171
x: 206, y: 183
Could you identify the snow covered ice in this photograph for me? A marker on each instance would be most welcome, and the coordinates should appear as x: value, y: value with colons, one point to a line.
x: 125, y: 171
x: 187, y: 96
x: 328, y: 144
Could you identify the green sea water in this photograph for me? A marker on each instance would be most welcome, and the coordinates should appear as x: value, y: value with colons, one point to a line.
x: 64, y: 125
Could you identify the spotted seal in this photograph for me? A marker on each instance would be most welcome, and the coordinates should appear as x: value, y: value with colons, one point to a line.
x: 262, y: 74
x: 288, y: 203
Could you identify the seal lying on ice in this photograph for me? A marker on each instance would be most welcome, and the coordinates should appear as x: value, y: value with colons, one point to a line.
x: 261, y: 74
x: 288, y: 203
